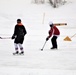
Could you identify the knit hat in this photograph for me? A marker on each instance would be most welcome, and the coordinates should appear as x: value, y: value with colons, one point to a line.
x: 51, y: 23
x: 18, y: 20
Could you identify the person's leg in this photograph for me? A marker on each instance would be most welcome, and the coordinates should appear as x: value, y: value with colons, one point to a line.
x: 54, y: 42
x: 16, y: 48
x: 21, y: 48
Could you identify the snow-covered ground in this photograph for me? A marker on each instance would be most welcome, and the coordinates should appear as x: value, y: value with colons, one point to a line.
x: 36, y: 62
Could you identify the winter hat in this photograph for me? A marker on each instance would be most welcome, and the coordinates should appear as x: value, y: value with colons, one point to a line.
x: 51, y: 23
x: 18, y: 20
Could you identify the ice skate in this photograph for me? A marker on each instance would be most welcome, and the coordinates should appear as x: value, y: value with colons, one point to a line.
x: 16, y: 53
x: 21, y: 53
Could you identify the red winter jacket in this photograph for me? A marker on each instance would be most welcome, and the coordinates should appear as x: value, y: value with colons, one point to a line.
x: 54, y: 31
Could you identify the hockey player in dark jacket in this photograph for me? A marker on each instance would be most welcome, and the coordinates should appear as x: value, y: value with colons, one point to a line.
x: 19, y: 33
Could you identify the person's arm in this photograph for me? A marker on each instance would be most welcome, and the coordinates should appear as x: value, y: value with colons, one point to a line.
x: 50, y: 34
x: 25, y: 32
x: 13, y: 36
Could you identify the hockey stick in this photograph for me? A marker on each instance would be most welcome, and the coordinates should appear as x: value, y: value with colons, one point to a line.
x: 69, y: 38
x: 43, y: 46
x: 5, y: 37
x: 60, y: 24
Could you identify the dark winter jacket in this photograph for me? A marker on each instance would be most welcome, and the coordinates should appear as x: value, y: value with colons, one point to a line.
x: 19, y: 33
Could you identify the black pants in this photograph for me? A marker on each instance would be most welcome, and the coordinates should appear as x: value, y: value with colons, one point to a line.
x: 19, y: 40
x: 54, y: 41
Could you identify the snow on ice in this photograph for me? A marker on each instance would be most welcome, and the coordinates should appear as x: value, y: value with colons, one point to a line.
x: 36, y: 62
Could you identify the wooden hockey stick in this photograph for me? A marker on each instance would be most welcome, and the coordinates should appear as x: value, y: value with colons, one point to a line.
x: 69, y: 38
x: 60, y: 24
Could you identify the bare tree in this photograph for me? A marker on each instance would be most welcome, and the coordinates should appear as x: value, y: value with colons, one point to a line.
x: 39, y: 1
x: 56, y: 3
x: 36, y: 1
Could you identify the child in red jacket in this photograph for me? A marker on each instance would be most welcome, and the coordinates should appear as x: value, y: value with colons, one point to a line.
x: 54, y: 32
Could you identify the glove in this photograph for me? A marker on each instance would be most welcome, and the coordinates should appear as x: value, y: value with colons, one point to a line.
x: 13, y: 37
x: 47, y: 39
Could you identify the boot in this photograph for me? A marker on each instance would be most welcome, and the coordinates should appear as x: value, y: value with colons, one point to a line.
x: 21, y: 53
x: 54, y: 48
x: 16, y: 53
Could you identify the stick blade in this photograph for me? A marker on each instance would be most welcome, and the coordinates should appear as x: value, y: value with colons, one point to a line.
x: 67, y: 39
